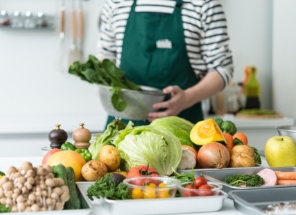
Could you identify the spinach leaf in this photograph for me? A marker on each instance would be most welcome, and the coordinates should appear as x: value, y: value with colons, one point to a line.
x: 105, y: 73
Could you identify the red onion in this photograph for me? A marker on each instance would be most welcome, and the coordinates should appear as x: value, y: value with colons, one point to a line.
x: 213, y: 155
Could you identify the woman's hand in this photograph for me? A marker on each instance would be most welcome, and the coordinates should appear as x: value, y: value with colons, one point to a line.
x: 177, y: 103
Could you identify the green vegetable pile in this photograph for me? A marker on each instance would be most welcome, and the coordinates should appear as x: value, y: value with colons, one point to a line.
x: 248, y: 180
x: 4, y: 209
x: 226, y: 126
x: 149, y: 145
x: 104, y: 73
x: 107, y: 188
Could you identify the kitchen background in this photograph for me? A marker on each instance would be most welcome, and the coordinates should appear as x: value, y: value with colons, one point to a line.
x: 37, y: 92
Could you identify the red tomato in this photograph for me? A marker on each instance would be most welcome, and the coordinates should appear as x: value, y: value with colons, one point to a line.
x: 190, y: 191
x: 48, y: 155
x: 142, y: 170
x: 205, y: 190
x: 198, y: 181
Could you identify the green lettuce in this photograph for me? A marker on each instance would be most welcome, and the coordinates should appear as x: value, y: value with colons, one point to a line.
x: 107, y: 137
x: 178, y: 126
x: 146, y: 145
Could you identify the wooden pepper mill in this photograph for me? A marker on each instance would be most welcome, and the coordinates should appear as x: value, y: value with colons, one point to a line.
x: 57, y: 137
x: 81, y: 136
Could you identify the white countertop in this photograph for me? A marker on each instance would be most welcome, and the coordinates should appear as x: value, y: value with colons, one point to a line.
x: 41, y: 123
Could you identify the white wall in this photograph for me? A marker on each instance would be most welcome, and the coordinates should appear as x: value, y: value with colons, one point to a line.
x: 34, y: 86
x: 250, y: 32
x: 35, y: 91
x: 284, y: 57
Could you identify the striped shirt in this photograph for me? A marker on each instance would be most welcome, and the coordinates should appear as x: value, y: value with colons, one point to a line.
x: 205, y: 31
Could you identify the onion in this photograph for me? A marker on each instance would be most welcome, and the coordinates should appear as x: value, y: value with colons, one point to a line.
x: 213, y: 155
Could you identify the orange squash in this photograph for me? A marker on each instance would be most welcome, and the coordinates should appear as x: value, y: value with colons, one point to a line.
x: 206, y: 131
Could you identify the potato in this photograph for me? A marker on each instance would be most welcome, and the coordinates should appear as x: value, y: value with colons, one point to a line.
x: 110, y: 156
x: 93, y: 170
x: 242, y: 156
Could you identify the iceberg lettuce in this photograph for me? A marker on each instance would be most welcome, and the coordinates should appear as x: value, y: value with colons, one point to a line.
x: 178, y: 126
x: 146, y: 145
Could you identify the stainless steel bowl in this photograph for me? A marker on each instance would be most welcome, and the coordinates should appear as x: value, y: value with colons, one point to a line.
x: 287, y: 131
x: 139, y: 103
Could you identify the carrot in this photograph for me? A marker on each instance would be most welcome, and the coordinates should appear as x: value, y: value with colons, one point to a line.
x: 285, y: 175
x: 229, y: 141
x: 240, y: 138
x: 285, y: 182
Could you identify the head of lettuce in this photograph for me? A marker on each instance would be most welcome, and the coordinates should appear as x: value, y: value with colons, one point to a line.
x: 146, y: 145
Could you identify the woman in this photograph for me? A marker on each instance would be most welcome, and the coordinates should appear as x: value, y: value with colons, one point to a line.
x: 179, y: 46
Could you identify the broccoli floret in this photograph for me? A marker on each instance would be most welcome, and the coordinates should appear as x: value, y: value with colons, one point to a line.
x: 228, y: 127
x: 218, y: 120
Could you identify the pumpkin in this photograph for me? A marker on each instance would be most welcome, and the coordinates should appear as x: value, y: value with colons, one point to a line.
x: 206, y: 131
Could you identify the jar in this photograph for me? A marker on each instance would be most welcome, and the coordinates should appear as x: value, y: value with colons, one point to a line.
x: 17, y: 20
x: 4, y: 18
x: 41, y: 20
x: 29, y: 20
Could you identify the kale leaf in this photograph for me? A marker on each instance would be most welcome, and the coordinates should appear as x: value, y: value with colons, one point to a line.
x: 248, y: 180
x: 107, y: 188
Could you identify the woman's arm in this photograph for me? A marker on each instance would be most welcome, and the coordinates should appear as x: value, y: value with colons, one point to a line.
x: 106, y: 41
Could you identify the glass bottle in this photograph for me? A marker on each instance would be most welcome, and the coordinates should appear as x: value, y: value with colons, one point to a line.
x: 252, y: 89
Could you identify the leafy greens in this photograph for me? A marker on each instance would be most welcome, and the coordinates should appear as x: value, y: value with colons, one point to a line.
x: 248, y: 180
x: 105, y: 187
x: 107, y: 137
x: 146, y: 145
x: 104, y: 73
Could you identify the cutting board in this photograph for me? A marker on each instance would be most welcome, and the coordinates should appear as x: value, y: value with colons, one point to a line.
x: 258, y: 114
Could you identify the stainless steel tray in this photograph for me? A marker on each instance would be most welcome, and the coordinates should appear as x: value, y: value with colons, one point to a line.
x: 178, y: 205
x: 253, y: 202
x: 220, y: 176
x: 199, y: 170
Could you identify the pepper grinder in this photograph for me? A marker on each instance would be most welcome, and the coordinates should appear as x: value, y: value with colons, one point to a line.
x: 81, y: 136
x: 57, y: 137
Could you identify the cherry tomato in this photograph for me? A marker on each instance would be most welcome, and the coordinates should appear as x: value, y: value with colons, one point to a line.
x: 205, y: 190
x: 137, y: 193
x: 163, y: 192
x: 198, y: 181
x: 189, y: 191
x: 149, y: 192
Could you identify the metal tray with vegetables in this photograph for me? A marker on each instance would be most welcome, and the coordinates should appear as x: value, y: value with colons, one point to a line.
x: 248, y: 178
x: 113, y: 199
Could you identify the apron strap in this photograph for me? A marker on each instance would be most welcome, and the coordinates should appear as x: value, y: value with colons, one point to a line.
x: 179, y: 3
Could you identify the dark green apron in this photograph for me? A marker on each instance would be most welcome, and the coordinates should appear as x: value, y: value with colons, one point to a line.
x: 146, y: 64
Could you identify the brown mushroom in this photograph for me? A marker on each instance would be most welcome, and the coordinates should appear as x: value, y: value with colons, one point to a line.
x: 11, y: 170
x: 59, y: 206
x: 7, y: 186
x: 35, y: 208
x: 21, y: 206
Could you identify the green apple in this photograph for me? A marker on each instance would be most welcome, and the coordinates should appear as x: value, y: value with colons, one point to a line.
x: 280, y: 151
